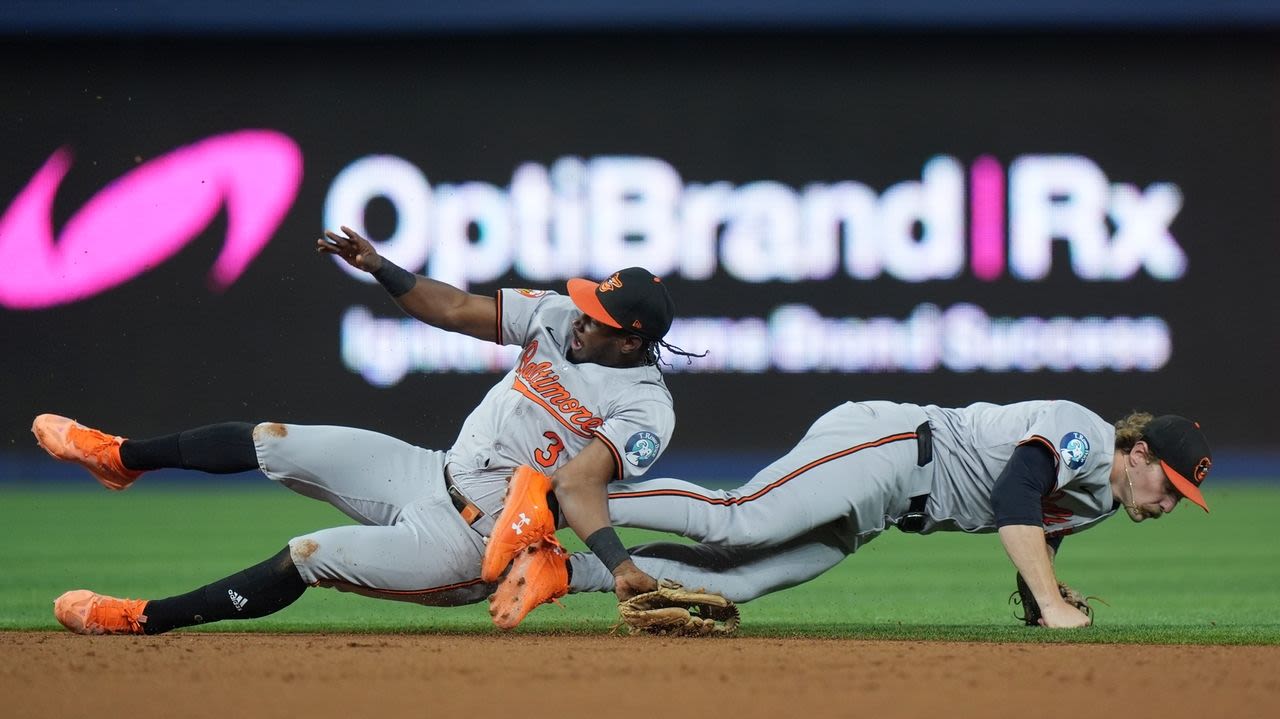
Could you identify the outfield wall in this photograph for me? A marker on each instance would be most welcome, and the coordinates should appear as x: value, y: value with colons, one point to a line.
x: 936, y: 219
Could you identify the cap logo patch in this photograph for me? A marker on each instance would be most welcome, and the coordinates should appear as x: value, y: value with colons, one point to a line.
x: 643, y: 448
x: 535, y: 294
x: 611, y: 284
x: 1074, y: 448
x: 1202, y: 469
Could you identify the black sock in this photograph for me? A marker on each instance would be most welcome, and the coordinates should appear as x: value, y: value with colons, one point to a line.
x: 216, y: 448
x: 260, y: 590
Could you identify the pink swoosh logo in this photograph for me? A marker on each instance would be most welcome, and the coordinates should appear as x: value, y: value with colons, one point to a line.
x: 144, y: 217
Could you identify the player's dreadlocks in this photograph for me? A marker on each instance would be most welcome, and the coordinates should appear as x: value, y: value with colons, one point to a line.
x: 653, y: 352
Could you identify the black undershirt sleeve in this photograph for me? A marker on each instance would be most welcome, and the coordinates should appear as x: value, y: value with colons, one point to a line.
x: 1027, y: 477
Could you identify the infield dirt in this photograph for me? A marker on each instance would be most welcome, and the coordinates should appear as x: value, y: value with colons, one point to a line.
x: 526, y: 675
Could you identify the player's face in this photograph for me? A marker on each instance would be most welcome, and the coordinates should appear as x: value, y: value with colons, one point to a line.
x: 594, y: 342
x: 1152, y: 494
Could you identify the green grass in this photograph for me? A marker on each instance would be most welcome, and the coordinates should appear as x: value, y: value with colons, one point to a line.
x: 1188, y: 578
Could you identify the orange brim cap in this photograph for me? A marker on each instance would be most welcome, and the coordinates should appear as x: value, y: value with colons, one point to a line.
x: 1185, y: 486
x: 584, y: 295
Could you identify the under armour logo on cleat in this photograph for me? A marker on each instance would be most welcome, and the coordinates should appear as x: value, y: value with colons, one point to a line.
x: 516, y: 526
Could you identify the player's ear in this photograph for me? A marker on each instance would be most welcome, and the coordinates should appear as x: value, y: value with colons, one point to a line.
x: 1143, y: 452
x: 631, y: 344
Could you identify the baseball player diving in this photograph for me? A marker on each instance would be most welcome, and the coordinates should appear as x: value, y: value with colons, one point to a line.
x: 1033, y: 471
x: 585, y: 404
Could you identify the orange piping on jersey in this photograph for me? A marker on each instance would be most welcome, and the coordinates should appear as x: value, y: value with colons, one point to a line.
x: 497, y: 329
x: 430, y: 590
x: 1053, y: 451
x: 617, y: 458
x: 376, y: 592
x: 776, y: 483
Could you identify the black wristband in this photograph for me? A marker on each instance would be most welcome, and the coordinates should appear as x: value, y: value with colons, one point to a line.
x: 395, y: 278
x: 604, y: 543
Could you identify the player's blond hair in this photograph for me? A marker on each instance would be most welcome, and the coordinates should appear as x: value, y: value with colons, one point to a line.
x: 1130, y: 429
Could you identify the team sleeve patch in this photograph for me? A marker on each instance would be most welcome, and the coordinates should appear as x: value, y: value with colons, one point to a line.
x: 531, y: 294
x: 642, y: 448
x: 1074, y: 449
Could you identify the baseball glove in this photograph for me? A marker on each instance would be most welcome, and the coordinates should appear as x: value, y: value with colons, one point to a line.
x: 1031, y: 608
x: 675, y: 611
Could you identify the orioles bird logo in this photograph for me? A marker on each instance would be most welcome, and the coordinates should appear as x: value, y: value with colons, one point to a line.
x: 611, y: 284
x: 1202, y: 469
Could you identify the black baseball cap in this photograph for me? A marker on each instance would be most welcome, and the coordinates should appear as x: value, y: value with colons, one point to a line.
x: 1183, y: 452
x: 633, y: 300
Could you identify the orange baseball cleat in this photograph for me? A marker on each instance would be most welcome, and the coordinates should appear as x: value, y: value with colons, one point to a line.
x: 525, y: 519
x: 98, y: 452
x: 539, y: 574
x: 85, y: 612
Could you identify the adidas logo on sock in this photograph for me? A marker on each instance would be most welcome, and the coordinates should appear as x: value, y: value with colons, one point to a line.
x: 237, y: 601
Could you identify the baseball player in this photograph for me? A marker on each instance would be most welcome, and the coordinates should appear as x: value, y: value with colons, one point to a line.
x: 1033, y: 471
x: 585, y: 403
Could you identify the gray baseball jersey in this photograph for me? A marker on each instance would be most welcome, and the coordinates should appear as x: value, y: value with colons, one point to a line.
x: 414, y: 545
x: 973, y: 444
x: 853, y: 475
x: 547, y: 409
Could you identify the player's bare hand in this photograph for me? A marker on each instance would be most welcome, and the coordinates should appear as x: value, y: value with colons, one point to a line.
x: 629, y: 581
x: 351, y: 247
x: 1060, y: 615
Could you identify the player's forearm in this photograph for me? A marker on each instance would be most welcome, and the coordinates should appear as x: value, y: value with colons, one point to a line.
x: 586, y: 509
x: 432, y: 301
x: 584, y: 503
x: 581, y: 488
x: 449, y: 308
x: 1028, y: 551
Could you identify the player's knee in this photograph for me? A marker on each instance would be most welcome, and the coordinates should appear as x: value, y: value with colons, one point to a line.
x: 268, y: 431
x: 302, y: 550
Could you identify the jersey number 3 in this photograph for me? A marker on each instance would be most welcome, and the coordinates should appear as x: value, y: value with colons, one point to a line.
x: 547, y: 457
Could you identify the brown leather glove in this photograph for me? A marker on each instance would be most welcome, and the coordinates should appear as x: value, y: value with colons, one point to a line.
x: 1031, y: 608
x: 675, y: 611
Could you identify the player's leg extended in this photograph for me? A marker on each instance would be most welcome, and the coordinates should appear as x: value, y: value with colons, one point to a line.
x: 117, y: 462
x: 262, y: 589
x: 850, y: 464
x: 425, y: 553
x: 429, y: 556
x: 366, y: 475
x: 739, y: 574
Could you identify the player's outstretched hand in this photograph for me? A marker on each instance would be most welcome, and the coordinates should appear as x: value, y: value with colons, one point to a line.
x: 1061, y: 615
x: 628, y: 581
x: 1067, y: 610
x: 351, y: 247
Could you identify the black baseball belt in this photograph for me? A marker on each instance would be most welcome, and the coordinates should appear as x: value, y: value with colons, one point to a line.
x: 466, y: 508
x: 913, y: 521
